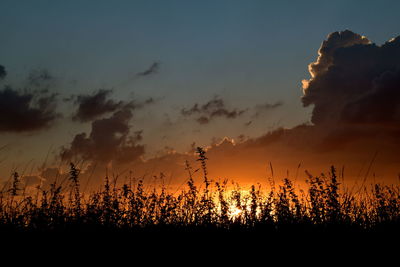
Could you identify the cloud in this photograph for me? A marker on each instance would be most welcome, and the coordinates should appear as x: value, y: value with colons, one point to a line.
x: 268, y: 106
x: 216, y: 108
x: 354, y: 90
x: 380, y: 105
x: 26, y: 111
x: 261, y: 108
x: 153, y: 69
x: 355, y: 82
x: 335, y: 41
x: 212, y: 109
x: 97, y: 104
x: 3, y: 72
x: 109, y: 140
x: 40, y: 78
x: 93, y: 106
x: 248, y: 123
x: 45, y: 177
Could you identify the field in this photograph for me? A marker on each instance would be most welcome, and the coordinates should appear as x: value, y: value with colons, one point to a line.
x: 324, y: 206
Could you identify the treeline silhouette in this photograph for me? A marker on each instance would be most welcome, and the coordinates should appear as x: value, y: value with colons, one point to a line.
x: 210, y: 206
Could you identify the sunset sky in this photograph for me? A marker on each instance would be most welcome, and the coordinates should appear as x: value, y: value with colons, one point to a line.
x: 127, y: 82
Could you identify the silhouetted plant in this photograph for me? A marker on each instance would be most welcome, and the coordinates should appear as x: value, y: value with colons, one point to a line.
x: 76, y: 196
x: 323, y: 205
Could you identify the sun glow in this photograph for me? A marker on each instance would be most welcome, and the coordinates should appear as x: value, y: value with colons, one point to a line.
x: 235, y: 212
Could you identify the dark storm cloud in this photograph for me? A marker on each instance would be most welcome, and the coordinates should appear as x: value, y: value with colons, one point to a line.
x: 212, y: 109
x: 92, y: 106
x: 355, y: 82
x: 151, y: 70
x: 3, y: 72
x: 24, y: 111
x: 109, y: 140
x: 378, y: 106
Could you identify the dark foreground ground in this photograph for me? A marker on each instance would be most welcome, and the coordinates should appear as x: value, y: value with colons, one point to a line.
x: 201, y: 220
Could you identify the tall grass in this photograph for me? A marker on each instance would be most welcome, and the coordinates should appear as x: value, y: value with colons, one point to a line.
x: 324, y: 204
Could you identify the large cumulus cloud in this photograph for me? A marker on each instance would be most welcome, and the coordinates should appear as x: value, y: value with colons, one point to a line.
x: 354, y: 82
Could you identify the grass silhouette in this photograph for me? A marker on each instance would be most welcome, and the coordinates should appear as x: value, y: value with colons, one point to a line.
x: 323, y: 206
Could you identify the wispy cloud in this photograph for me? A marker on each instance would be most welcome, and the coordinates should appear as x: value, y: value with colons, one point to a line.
x: 266, y: 107
x: 153, y: 69
x: 210, y: 110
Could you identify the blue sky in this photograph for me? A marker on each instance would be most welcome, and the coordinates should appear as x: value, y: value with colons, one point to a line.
x: 248, y: 52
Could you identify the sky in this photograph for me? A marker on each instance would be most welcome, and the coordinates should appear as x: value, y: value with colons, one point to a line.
x: 246, y: 59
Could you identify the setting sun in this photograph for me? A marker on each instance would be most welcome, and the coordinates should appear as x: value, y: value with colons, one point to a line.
x: 138, y: 117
